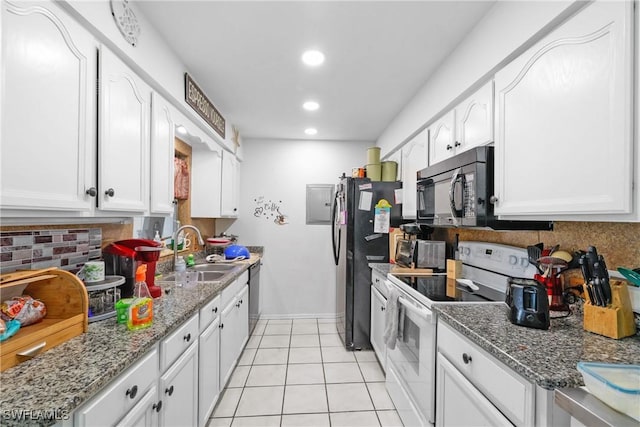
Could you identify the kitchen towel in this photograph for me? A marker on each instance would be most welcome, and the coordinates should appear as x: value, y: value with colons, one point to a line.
x: 393, y: 318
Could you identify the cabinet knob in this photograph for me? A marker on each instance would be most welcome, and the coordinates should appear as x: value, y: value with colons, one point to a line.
x: 449, y: 147
x: 221, y: 325
x: 169, y: 390
x: 493, y: 199
x: 110, y: 192
x: 92, y: 192
x: 187, y: 337
x: 132, y: 392
x: 381, y: 308
x: 215, y: 309
x: 235, y: 209
x: 466, y: 358
x: 237, y: 305
x: 157, y: 406
x: 457, y: 144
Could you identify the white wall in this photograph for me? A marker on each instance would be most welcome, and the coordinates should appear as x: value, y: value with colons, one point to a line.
x: 506, y: 30
x: 298, y: 274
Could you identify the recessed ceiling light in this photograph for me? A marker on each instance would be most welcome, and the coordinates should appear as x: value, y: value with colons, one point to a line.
x: 311, y: 105
x: 313, y: 57
x: 311, y: 131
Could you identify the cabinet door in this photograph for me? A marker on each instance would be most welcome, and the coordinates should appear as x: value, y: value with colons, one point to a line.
x: 441, y: 138
x: 453, y: 392
x: 48, y: 110
x: 414, y: 158
x: 229, y: 196
x: 179, y: 391
x: 564, y: 126
x: 208, y: 372
x: 227, y: 341
x: 206, y: 183
x: 474, y: 120
x: 123, y: 145
x: 378, y: 308
x: 162, y: 152
x: 145, y: 413
x: 243, y: 319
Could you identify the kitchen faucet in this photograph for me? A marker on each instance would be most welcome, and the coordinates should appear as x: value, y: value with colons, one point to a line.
x: 175, y: 240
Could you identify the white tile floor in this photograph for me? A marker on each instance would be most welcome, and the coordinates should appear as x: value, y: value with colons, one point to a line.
x: 297, y: 373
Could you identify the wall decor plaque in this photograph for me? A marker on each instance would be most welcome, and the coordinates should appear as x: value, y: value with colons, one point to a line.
x: 199, y: 102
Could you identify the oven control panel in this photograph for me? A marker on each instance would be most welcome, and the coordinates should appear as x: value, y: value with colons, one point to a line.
x: 503, y: 259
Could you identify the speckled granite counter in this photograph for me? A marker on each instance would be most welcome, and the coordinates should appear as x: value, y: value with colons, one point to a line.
x: 381, y: 267
x: 64, y: 377
x: 547, y: 358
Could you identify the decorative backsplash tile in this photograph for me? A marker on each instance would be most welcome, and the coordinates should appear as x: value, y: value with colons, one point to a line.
x: 68, y: 249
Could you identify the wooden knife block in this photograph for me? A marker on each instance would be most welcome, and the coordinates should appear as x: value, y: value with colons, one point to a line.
x: 615, y: 320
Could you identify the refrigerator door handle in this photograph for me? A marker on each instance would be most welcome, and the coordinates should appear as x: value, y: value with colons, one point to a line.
x: 335, y: 240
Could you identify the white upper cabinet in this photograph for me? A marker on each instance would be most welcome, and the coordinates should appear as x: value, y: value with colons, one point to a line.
x: 206, y: 182
x: 564, y: 147
x: 162, y: 153
x: 442, y: 135
x: 48, y: 110
x: 123, y: 144
x: 414, y: 158
x: 469, y: 125
x: 230, y: 185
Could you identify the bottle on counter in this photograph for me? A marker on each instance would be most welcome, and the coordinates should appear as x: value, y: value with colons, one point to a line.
x: 191, y: 261
x: 141, y: 308
x: 181, y: 271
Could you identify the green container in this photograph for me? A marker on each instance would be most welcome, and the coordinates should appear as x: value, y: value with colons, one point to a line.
x: 122, y: 309
x: 389, y: 171
x: 373, y: 155
x: 374, y: 172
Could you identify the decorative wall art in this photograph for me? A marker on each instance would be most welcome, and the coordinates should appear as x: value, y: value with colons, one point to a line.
x: 270, y: 210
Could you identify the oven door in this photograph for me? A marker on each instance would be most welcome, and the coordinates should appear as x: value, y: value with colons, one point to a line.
x: 413, y: 359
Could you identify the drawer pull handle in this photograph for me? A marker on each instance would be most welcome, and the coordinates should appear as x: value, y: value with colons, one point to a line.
x: 33, y: 350
x: 187, y: 337
x: 466, y: 358
x: 157, y: 406
x: 169, y: 391
x: 132, y: 392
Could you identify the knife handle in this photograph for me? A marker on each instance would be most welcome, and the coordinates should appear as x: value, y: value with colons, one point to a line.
x: 584, y: 267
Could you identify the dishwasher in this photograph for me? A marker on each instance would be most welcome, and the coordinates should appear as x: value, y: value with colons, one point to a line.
x: 254, y: 295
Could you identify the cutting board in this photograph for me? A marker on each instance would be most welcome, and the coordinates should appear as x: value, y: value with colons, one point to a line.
x: 395, y: 234
x: 404, y: 271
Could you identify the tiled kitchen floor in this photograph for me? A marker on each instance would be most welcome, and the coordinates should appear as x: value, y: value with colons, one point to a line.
x: 297, y: 373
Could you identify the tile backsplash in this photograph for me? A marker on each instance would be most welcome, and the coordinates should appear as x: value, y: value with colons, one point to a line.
x: 67, y: 249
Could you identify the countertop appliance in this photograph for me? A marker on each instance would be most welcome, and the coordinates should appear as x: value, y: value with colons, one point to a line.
x: 123, y: 257
x: 411, y: 365
x: 458, y: 192
x: 255, y: 308
x: 355, y: 245
x: 528, y: 303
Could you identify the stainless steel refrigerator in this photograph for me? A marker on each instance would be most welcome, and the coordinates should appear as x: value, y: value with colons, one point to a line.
x: 355, y: 245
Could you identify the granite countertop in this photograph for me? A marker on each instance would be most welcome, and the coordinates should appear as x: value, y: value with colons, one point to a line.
x: 61, y: 379
x: 381, y: 267
x: 546, y: 358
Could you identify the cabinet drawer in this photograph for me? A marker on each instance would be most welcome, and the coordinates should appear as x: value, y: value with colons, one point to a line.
x: 508, y: 391
x: 122, y: 395
x: 172, y: 347
x: 230, y: 291
x: 209, y: 312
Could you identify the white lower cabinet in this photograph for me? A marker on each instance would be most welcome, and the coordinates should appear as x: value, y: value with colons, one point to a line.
x: 208, y: 360
x: 454, y: 391
x: 234, y: 331
x: 123, y: 395
x: 145, y: 413
x: 468, y: 377
x: 179, y: 390
x: 378, y: 315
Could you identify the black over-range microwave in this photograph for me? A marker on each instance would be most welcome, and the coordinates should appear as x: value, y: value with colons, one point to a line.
x: 457, y: 192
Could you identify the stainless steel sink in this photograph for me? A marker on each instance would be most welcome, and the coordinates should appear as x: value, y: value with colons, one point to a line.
x: 214, y: 267
x: 205, y: 276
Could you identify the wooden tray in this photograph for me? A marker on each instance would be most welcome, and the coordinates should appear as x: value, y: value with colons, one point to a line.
x: 65, y: 297
x: 405, y: 271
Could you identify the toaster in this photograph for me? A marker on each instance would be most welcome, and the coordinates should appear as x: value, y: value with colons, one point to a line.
x: 528, y: 303
x: 429, y: 254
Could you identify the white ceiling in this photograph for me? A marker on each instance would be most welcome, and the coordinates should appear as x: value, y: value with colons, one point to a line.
x: 245, y: 55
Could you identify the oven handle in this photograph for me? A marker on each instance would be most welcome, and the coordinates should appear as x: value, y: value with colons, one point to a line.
x: 423, y: 313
